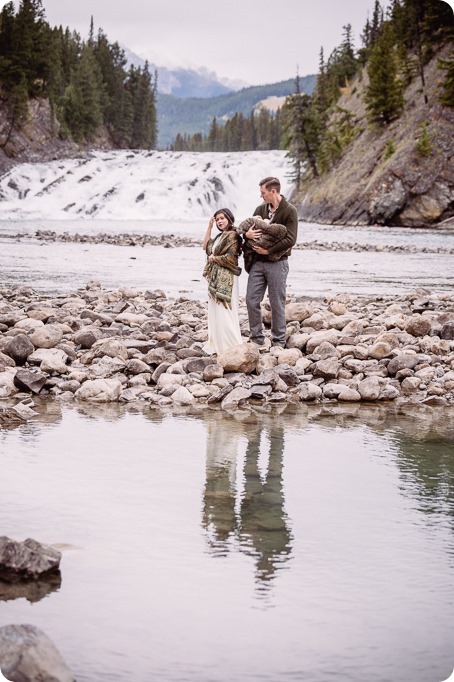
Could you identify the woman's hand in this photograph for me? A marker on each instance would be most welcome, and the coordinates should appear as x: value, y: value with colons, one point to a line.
x: 211, y: 257
x: 211, y: 223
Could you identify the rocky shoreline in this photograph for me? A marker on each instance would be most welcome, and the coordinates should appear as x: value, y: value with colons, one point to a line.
x: 173, y: 241
x: 128, y: 346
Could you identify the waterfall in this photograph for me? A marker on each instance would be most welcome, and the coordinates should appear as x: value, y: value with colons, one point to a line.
x: 140, y: 185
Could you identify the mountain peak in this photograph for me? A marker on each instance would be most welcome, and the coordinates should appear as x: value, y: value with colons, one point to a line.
x: 185, y: 80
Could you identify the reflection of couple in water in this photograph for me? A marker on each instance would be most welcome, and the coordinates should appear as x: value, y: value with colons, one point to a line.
x: 247, y: 514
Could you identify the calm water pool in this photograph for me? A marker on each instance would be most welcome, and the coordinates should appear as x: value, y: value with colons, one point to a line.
x: 309, y: 544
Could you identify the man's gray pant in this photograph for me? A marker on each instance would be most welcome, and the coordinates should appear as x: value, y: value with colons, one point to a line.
x: 271, y: 274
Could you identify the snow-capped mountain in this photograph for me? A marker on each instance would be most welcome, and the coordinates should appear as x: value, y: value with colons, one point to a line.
x: 140, y: 185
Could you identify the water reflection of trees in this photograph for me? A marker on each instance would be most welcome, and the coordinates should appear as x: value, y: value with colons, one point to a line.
x: 245, y: 510
x: 422, y: 440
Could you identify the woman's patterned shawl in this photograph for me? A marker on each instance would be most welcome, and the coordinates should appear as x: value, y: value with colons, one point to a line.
x: 226, y: 248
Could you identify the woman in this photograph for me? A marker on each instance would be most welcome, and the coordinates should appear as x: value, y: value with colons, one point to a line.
x: 222, y: 273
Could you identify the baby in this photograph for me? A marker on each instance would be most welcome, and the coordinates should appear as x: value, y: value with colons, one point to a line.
x: 271, y: 233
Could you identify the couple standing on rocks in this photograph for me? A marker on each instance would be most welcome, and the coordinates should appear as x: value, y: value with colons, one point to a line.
x: 266, y: 240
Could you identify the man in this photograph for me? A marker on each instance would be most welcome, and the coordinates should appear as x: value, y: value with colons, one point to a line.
x: 270, y: 265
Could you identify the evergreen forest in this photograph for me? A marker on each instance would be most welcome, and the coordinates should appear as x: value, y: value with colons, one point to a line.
x: 86, y: 82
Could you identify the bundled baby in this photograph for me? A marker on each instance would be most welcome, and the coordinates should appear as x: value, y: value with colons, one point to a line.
x: 268, y: 234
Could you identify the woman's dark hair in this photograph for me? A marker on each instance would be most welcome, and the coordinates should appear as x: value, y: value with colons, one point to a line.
x: 229, y: 215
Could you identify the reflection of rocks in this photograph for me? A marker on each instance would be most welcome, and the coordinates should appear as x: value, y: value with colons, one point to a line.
x: 32, y: 591
x: 26, y: 560
x: 140, y: 347
x: 28, y: 655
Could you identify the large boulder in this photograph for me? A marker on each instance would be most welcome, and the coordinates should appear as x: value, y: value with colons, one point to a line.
x: 241, y: 358
x: 27, y: 654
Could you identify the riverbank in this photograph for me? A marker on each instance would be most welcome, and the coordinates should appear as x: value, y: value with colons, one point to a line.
x: 128, y: 346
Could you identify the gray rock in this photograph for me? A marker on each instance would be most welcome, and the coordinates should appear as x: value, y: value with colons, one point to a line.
x: 26, y: 560
x: 369, y: 388
x: 87, y: 337
x: 212, y: 371
x: 197, y: 364
x: 349, y: 395
x: 288, y: 375
x: 99, y: 390
x: 19, y: 348
x: 236, y: 397
x: 309, y: 391
x: 447, y: 331
x: 7, y: 385
x: 26, y: 379
x: 47, y: 336
x: 328, y: 369
x: 260, y: 390
x: 402, y: 361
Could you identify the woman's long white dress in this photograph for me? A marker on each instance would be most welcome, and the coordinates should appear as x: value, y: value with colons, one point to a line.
x: 223, y: 323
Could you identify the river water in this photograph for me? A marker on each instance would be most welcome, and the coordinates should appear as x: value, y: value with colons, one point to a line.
x: 300, y: 544
x: 61, y: 267
x: 309, y: 544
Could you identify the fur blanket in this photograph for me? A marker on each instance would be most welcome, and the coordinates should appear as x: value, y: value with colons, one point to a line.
x: 271, y: 234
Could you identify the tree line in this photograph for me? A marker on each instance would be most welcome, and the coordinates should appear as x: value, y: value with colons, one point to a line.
x: 258, y: 131
x: 86, y: 82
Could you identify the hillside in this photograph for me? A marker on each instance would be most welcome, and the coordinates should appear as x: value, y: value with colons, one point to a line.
x: 194, y: 114
x: 382, y: 177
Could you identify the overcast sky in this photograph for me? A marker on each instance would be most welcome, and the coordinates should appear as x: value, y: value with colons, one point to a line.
x: 256, y: 41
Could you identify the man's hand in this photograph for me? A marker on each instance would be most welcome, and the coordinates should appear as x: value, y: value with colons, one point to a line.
x: 253, y: 233
x: 260, y: 250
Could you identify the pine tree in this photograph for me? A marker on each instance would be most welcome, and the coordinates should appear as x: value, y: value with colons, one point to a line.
x: 348, y: 63
x: 384, y: 94
x: 320, y: 97
x: 447, y: 96
x: 301, y: 135
x: 82, y: 99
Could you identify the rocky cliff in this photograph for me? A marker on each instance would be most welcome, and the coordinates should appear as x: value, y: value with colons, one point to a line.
x: 382, y: 177
x: 39, y: 139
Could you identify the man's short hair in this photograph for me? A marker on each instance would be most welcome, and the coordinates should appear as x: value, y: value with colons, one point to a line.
x: 271, y: 183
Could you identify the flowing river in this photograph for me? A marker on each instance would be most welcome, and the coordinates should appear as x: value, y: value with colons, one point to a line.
x: 405, y: 260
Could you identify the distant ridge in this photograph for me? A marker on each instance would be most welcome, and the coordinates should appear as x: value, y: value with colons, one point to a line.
x: 194, y: 114
x: 186, y: 82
